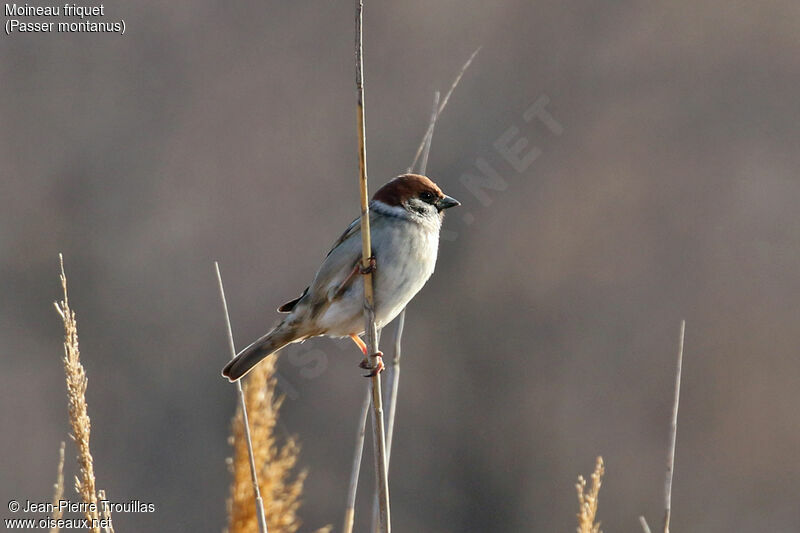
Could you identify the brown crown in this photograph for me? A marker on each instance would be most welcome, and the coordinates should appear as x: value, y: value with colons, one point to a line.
x: 404, y: 187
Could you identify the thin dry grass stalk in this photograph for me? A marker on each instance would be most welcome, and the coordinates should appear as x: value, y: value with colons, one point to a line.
x: 280, y: 487
x: 588, y: 500
x: 78, y: 412
x: 422, y: 151
x: 350, y: 508
x: 393, y: 369
x: 442, y: 105
x: 58, y: 489
x: 673, y: 432
x: 261, y: 518
x: 371, y: 333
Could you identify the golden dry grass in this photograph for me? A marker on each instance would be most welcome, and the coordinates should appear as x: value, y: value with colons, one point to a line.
x: 588, y: 500
x: 78, y: 410
x: 281, y: 488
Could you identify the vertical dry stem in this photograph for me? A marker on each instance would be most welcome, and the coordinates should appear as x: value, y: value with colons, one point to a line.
x: 350, y: 509
x: 394, y: 384
x: 423, y: 149
x: 673, y: 433
x: 371, y: 333
x: 58, y: 489
x: 78, y: 411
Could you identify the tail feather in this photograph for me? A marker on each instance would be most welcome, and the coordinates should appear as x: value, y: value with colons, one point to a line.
x: 245, y: 360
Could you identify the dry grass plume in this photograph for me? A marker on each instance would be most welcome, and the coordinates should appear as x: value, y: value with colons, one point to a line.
x: 78, y: 411
x: 280, y: 487
x: 588, y: 500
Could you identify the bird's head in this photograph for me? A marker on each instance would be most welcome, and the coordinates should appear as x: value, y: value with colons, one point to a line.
x: 415, y: 195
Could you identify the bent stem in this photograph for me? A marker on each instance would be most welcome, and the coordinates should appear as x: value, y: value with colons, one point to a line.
x: 429, y: 131
x: 423, y: 150
x: 394, y: 367
x: 401, y: 320
x: 393, y: 375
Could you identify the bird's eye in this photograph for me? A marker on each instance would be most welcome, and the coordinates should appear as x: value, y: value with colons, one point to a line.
x: 426, y: 196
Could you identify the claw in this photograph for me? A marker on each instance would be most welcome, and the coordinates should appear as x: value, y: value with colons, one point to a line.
x: 371, y: 267
x: 375, y: 369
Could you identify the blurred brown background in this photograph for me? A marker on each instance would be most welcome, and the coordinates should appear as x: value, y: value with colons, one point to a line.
x: 226, y: 131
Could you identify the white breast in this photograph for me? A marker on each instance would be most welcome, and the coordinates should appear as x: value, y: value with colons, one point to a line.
x: 405, y: 251
x: 403, y: 267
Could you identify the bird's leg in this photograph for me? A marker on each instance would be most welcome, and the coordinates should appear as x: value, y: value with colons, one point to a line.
x: 371, y: 267
x: 361, y: 344
x: 343, y: 285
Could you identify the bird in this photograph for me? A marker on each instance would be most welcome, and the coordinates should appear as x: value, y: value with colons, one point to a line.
x: 405, y: 217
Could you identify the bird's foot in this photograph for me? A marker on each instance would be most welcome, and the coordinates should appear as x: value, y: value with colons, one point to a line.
x: 376, y: 368
x: 372, y: 266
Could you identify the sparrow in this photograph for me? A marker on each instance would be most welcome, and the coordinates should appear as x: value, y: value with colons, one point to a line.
x: 405, y: 217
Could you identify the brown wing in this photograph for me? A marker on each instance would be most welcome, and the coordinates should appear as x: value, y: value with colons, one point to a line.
x: 353, y: 229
